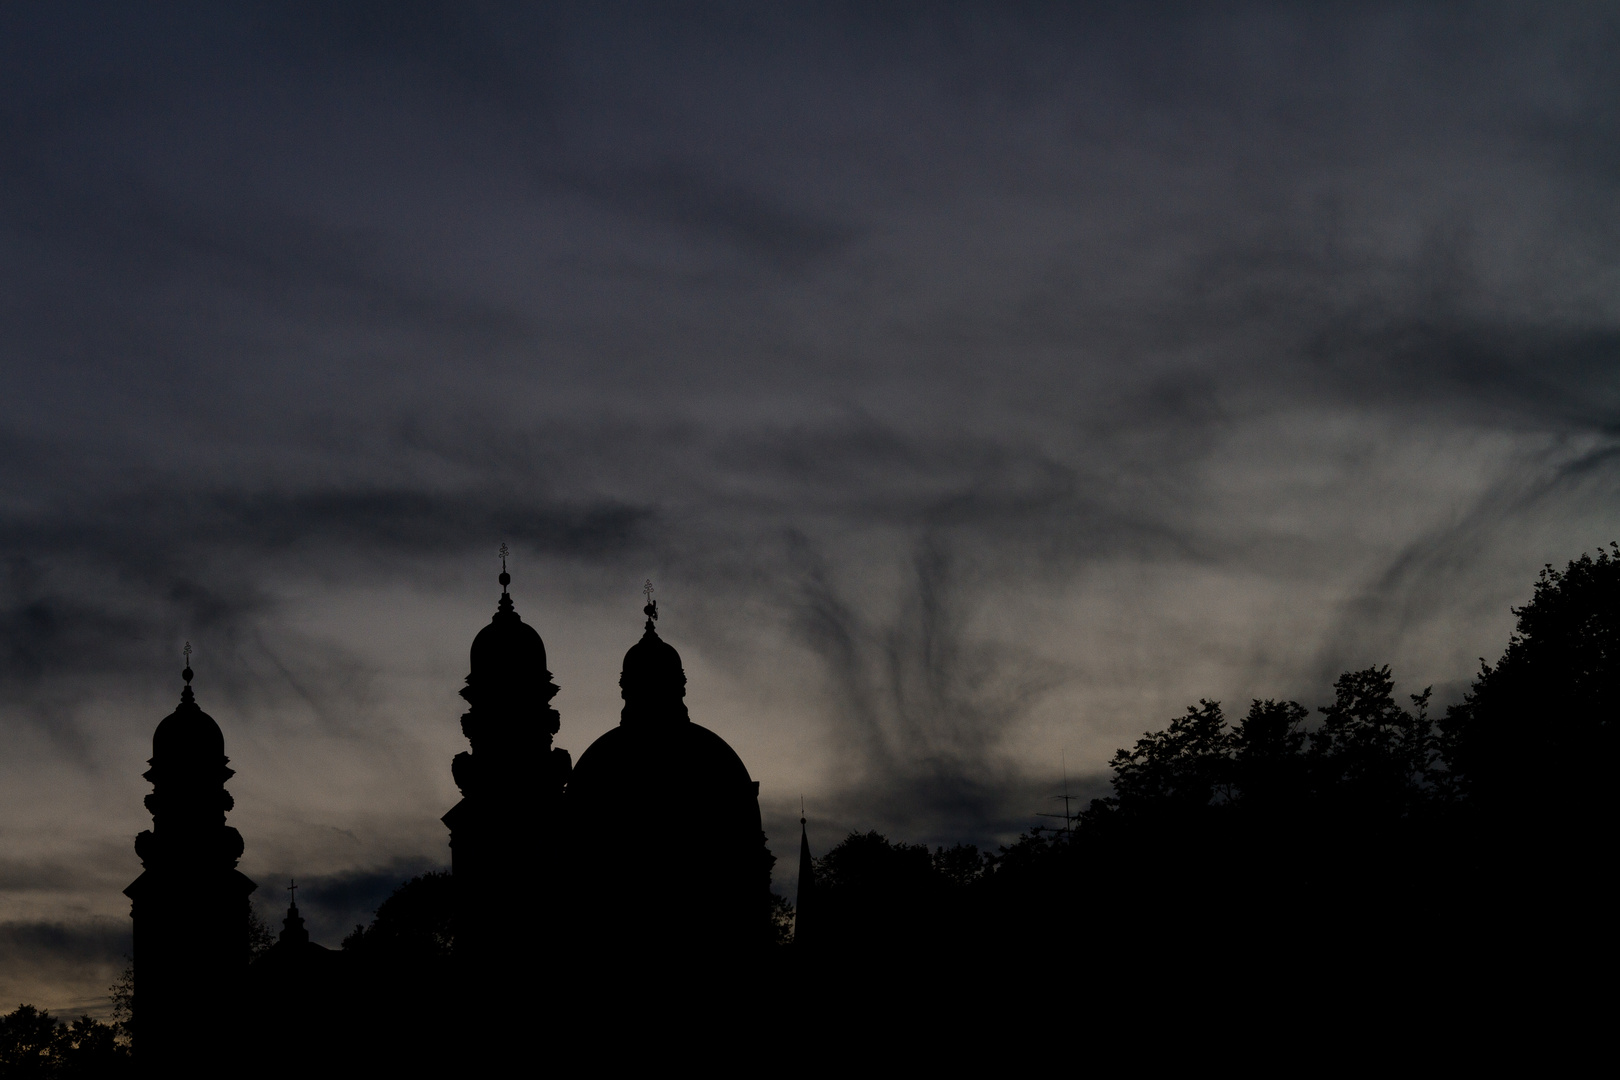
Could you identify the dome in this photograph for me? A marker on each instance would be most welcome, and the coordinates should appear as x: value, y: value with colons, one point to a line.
x: 188, y: 732
x: 652, y: 669
x: 656, y: 740
x: 508, y: 646
x: 708, y: 855
x: 679, y: 757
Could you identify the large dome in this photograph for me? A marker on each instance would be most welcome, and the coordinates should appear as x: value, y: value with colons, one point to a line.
x: 662, y: 761
x: 707, y: 855
x: 656, y: 740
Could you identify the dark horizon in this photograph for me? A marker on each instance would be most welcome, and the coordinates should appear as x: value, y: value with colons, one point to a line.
x: 980, y: 385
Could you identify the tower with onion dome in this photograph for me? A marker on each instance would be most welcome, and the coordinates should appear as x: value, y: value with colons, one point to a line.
x: 504, y: 831
x: 695, y: 883
x: 190, y: 904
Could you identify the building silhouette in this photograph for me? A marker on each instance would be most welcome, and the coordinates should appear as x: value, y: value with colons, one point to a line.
x: 536, y: 843
x: 190, y: 903
x: 703, y: 851
x: 505, y: 831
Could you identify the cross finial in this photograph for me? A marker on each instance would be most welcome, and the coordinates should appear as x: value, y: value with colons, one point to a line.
x: 651, y: 610
x: 506, y: 579
x: 186, y: 674
x: 292, y: 887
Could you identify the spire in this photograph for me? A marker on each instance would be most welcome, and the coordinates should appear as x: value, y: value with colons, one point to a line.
x: 807, y: 883
x: 505, y: 580
x: 186, y: 696
x: 292, y: 927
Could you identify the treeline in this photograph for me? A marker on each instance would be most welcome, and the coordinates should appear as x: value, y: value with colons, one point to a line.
x: 33, y: 1043
x: 1368, y: 830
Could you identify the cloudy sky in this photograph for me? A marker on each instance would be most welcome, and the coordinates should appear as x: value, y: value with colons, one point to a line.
x: 978, y: 384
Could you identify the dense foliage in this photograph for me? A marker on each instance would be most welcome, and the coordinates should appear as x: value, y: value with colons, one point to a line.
x: 34, y: 1043
x: 1368, y: 829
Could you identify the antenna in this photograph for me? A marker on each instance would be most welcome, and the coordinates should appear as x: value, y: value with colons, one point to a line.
x: 1066, y: 799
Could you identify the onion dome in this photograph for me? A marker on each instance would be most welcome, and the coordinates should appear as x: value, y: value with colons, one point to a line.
x: 511, y: 721
x: 188, y: 800
x: 508, y: 648
x: 187, y: 734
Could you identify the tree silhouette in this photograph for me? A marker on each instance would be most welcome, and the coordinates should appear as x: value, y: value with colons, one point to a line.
x: 1369, y: 753
x: 1181, y: 769
x: 122, y: 994
x: 33, y: 1043
x: 782, y: 917
x: 259, y: 935
x: 414, y: 927
x: 1536, y: 733
x: 1532, y: 754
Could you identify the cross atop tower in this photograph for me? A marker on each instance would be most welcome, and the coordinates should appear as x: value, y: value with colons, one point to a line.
x: 292, y: 887
x: 651, y: 610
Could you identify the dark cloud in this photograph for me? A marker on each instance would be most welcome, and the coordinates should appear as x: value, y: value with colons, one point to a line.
x: 24, y: 943
x: 66, y: 968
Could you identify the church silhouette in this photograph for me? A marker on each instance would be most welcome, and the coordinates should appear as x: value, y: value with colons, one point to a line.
x: 559, y: 895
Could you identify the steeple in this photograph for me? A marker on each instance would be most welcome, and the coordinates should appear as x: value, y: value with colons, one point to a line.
x: 292, y: 927
x: 807, y: 886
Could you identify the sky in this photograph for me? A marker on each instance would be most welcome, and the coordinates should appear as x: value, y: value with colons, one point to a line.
x: 978, y: 384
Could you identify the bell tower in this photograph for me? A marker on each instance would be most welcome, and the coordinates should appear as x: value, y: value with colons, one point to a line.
x: 504, y: 831
x: 190, y: 904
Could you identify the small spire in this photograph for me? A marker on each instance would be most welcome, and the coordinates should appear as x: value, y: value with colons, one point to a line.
x: 506, y: 579
x: 805, y: 936
x: 293, y: 931
x: 651, y: 610
x: 187, y: 697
